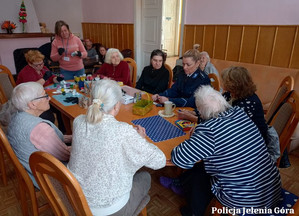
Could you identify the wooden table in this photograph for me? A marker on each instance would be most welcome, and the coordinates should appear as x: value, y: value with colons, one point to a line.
x: 69, y: 113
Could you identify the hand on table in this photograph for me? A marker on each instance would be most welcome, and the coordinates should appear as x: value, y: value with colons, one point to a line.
x: 187, y: 115
x: 140, y: 130
x: 160, y: 99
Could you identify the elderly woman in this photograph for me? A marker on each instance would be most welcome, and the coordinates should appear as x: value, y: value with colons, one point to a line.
x: 154, y: 78
x: 182, y: 91
x: 35, y: 71
x: 240, y: 90
x: 107, y: 153
x: 68, y: 50
x: 27, y: 132
x: 236, y: 167
x: 205, y: 64
x: 114, y: 68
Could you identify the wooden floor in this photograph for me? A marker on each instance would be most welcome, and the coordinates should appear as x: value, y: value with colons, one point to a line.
x: 163, y: 201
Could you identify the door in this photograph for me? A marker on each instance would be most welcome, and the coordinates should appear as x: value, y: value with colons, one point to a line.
x: 151, y: 22
x: 169, y: 24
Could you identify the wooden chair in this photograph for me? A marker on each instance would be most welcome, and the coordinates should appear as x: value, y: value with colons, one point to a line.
x: 2, y: 166
x: 133, y: 70
x: 170, y: 74
x: 7, y: 82
x: 214, y: 81
x: 285, y: 121
x: 24, y: 181
x: 286, y: 85
x: 50, y: 173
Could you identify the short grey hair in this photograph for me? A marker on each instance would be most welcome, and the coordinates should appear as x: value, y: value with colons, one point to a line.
x: 105, y: 95
x: 109, y: 53
x: 206, y: 54
x: 210, y: 102
x: 24, y: 93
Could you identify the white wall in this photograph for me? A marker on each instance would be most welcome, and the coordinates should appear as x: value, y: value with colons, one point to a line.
x: 50, y: 11
x: 260, y: 12
x: 9, y: 10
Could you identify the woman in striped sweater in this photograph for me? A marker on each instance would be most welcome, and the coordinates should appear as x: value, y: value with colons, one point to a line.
x: 235, y: 166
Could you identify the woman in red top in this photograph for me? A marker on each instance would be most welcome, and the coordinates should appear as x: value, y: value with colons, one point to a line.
x: 35, y: 71
x: 114, y: 68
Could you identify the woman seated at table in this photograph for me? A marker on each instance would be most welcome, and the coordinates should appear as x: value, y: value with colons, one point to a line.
x: 154, y: 78
x: 114, y: 68
x: 205, y: 65
x: 181, y: 92
x: 238, y: 88
x: 107, y: 153
x: 35, y: 71
x: 236, y: 167
x: 27, y: 132
x: 102, y: 50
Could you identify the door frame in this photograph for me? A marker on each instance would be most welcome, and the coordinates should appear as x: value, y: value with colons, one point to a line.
x: 138, y: 34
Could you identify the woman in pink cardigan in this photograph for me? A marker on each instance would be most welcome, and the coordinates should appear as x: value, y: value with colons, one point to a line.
x: 114, y: 68
x: 68, y: 50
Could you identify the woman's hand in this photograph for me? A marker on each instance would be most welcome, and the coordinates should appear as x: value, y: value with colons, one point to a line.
x: 155, y: 97
x: 187, y: 115
x: 141, y: 131
x: 162, y: 99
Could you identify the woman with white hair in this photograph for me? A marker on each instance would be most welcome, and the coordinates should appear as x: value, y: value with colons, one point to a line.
x: 27, y: 132
x: 235, y: 166
x: 205, y: 64
x: 107, y: 153
x: 114, y: 68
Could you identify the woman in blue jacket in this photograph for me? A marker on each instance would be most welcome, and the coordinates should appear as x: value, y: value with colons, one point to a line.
x: 181, y: 92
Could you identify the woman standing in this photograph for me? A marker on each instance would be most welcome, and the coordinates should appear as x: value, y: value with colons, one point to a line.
x: 114, y: 68
x: 68, y: 50
x: 106, y: 154
x: 154, y: 78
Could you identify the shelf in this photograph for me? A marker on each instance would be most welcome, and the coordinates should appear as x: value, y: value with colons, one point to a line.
x: 24, y: 35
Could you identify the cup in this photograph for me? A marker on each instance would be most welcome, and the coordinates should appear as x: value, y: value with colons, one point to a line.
x: 169, y: 107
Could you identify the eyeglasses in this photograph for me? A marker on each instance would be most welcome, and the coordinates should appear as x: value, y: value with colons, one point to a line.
x: 41, y: 97
x: 40, y: 64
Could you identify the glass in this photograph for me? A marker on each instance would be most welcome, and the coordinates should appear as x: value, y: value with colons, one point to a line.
x: 40, y: 64
x: 41, y: 97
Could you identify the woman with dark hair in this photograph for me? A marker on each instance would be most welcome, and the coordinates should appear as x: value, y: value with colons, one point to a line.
x: 68, y: 50
x: 101, y: 50
x: 154, y: 78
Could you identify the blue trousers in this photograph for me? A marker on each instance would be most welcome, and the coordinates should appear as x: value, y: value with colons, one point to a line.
x: 69, y: 75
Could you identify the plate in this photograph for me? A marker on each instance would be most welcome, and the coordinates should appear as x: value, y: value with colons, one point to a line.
x: 161, y: 113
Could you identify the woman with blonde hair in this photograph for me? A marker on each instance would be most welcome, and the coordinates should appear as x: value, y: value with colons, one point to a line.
x: 107, y: 153
x: 114, y: 68
x: 36, y: 71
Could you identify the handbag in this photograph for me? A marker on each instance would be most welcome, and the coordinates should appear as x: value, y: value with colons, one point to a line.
x: 272, y: 143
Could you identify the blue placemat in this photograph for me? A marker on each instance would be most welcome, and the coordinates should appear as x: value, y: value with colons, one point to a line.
x: 158, y: 129
x: 61, y: 97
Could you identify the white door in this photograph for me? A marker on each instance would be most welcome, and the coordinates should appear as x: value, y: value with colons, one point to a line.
x: 151, y: 22
x: 169, y: 23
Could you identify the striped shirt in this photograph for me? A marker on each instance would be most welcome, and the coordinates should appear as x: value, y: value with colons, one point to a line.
x: 234, y: 154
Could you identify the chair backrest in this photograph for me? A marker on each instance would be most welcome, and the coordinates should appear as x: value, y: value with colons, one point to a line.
x: 285, y: 121
x: 133, y: 70
x: 170, y: 74
x: 7, y: 82
x: 19, y: 57
x: 47, y: 170
x: 214, y: 81
x: 284, y: 88
x: 24, y: 181
x: 3, y: 98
